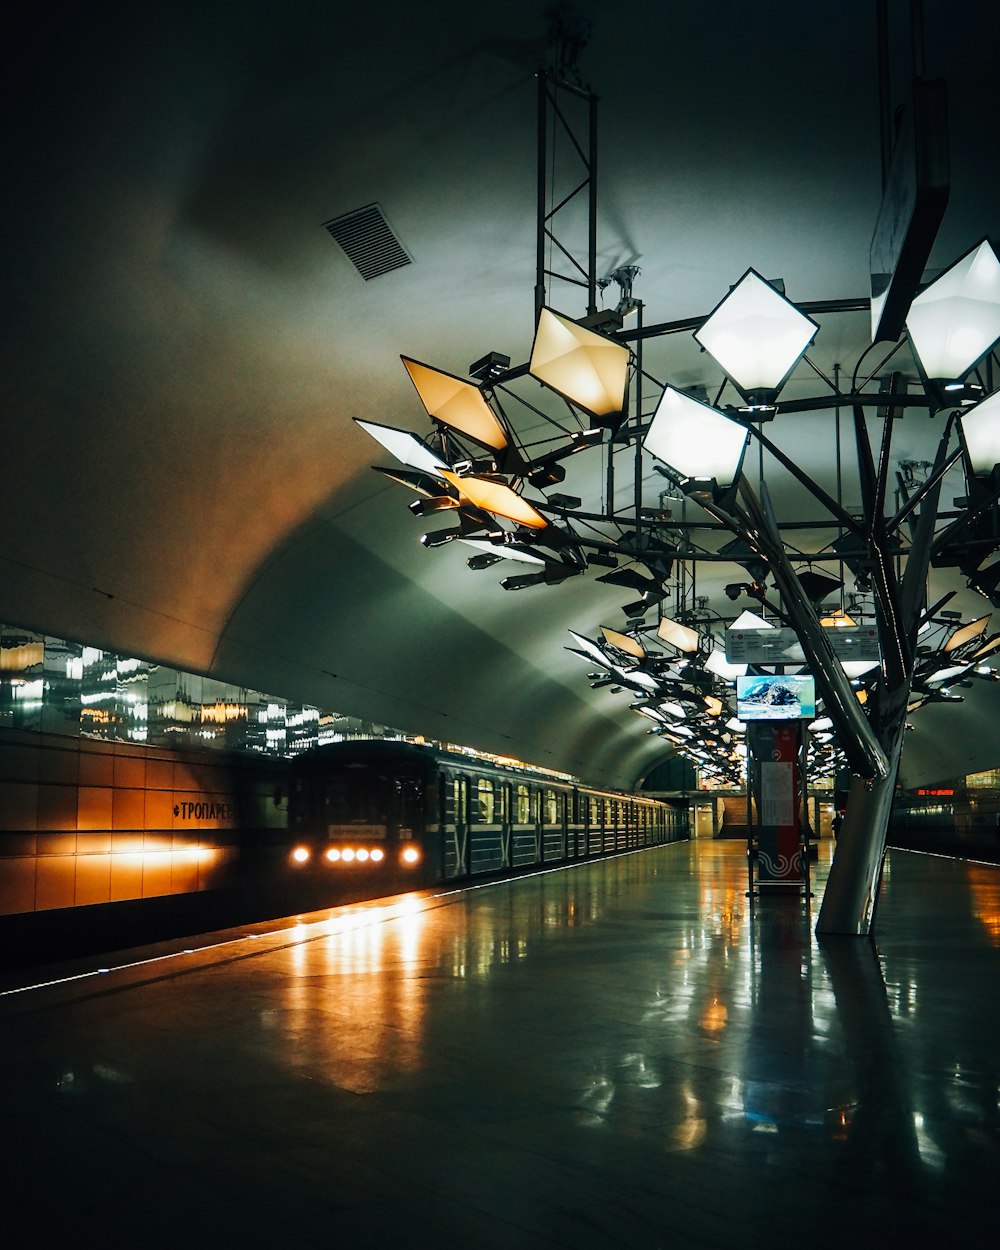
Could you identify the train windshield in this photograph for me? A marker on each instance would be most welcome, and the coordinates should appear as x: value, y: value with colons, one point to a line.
x: 362, y: 794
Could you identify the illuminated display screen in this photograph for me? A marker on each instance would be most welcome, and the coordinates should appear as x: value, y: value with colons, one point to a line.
x: 775, y: 698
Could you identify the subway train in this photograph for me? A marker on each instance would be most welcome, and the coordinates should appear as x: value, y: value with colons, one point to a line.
x: 958, y: 820
x: 415, y: 814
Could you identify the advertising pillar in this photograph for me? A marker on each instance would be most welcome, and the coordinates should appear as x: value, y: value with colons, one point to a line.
x: 774, y: 757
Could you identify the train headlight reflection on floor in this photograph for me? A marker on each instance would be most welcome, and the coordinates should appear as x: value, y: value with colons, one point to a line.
x: 410, y: 855
x: 301, y: 855
x: 378, y: 855
x: 333, y: 854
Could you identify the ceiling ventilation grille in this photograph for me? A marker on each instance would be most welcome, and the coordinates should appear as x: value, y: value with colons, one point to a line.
x: 368, y: 241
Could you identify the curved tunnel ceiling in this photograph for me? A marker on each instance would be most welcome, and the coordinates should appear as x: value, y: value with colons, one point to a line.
x: 186, y: 346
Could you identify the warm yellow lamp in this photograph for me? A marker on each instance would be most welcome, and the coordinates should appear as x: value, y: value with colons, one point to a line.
x: 456, y: 403
x: 678, y: 635
x: 496, y: 497
x: 586, y: 368
x: 965, y: 633
x: 623, y: 643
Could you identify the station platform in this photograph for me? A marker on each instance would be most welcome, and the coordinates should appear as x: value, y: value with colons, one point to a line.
x: 627, y: 1053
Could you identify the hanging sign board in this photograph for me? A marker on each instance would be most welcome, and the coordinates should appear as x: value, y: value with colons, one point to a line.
x: 782, y: 646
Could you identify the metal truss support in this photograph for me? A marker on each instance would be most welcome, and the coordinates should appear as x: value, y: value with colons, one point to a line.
x: 557, y: 102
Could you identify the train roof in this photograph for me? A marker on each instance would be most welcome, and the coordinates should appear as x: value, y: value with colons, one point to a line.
x: 403, y: 749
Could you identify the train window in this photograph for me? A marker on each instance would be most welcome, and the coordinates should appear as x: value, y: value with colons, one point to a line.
x: 595, y: 811
x: 523, y: 813
x: 551, y: 808
x: 486, y: 801
x: 409, y: 792
x: 456, y: 792
x: 504, y: 815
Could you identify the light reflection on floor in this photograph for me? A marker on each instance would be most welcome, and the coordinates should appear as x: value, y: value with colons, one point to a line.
x: 627, y: 1053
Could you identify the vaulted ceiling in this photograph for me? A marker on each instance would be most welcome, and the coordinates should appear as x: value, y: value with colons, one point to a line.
x: 185, y: 345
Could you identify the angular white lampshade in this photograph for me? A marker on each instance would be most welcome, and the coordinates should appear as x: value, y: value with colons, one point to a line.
x: 695, y: 439
x: 858, y: 668
x: 720, y: 666
x: 585, y: 367
x: 456, y: 403
x: 680, y: 636
x: 496, y: 497
x: 948, y: 674
x: 673, y: 709
x: 981, y: 429
x: 756, y: 334
x: 406, y: 447
x: 504, y: 550
x: 750, y: 620
x: 957, y: 318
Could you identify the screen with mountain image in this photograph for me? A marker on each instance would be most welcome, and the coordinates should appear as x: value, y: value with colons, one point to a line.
x: 772, y: 697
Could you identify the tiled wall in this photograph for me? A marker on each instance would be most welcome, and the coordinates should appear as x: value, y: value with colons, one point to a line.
x: 85, y: 821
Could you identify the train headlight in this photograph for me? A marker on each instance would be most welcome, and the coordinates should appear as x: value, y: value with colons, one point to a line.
x: 362, y: 855
x: 410, y: 856
x: 347, y: 854
x: 333, y: 854
x: 301, y: 855
x: 378, y: 855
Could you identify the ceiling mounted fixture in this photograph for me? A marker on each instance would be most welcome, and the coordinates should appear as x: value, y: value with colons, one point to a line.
x: 456, y: 403
x: 981, y: 434
x: 695, y: 439
x: 497, y: 498
x: 406, y: 447
x: 586, y: 368
x: 757, y: 336
x: 623, y: 642
x: 955, y: 320
x: 680, y: 636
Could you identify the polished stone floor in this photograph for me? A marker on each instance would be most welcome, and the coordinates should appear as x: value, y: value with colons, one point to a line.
x: 624, y: 1054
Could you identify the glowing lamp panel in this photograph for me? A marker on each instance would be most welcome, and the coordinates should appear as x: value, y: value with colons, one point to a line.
x: 680, y: 636
x: 497, y: 498
x: 957, y: 318
x: 406, y: 447
x: 694, y: 439
x: 587, y: 368
x: 756, y: 335
x: 981, y: 428
x: 630, y: 646
x: 456, y: 403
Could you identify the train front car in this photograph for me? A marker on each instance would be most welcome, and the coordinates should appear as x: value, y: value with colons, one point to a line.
x: 362, y: 807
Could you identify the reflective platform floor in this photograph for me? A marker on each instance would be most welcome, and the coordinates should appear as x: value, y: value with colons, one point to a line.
x: 619, y: 1054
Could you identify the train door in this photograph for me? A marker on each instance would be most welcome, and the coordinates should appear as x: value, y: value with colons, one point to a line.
x: 572, y: 824
x: 594, y: 830
x: 553, y: 825
x: 505, y: 825
x: 485, y: 826
x: 525, y: 833
x: 456, y: 831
